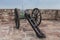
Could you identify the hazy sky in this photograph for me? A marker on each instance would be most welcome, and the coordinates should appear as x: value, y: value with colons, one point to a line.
x: 42, y: 4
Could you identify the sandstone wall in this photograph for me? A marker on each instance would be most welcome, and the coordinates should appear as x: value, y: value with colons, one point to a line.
x: 8, y: 14
x: 49, y: 14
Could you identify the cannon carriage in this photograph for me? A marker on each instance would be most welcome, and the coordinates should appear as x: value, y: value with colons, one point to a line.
x: 34, y: 19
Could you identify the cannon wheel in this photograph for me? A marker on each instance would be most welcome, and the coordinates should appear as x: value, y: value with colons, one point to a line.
x: 16, y: 18
x: 36, y: 16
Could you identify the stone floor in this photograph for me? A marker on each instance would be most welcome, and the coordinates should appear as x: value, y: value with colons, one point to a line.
x: 50, y: 28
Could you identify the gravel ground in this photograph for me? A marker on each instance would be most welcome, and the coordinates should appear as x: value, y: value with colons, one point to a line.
x: 50, y: 28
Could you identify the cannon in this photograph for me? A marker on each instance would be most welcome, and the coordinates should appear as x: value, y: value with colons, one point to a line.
x: 34, y: 19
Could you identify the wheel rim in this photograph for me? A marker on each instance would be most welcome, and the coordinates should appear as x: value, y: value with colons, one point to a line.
x: 36, y: 16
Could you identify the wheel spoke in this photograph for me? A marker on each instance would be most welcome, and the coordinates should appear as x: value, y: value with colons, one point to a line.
x: 36, y: 15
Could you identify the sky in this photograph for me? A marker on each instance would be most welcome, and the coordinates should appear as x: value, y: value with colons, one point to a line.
x: 29, y: 4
